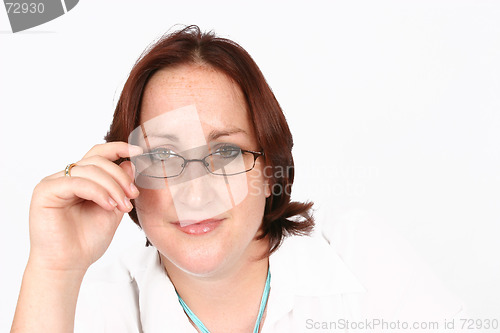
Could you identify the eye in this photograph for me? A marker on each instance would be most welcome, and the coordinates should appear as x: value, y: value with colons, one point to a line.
x: 162, y: 154
x: 227, y: 151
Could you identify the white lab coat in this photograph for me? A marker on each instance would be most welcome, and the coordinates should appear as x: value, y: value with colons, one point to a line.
x: 354, y: 270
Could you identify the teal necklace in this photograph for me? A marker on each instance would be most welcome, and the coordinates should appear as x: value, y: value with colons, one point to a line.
x: 263, y: 303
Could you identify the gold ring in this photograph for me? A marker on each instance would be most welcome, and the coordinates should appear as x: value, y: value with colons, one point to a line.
x: 67, y: 171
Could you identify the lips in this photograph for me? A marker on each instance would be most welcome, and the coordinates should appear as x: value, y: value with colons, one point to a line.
x: 198, y: 228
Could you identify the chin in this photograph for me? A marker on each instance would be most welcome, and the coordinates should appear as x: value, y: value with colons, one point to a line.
x: 202, y: 262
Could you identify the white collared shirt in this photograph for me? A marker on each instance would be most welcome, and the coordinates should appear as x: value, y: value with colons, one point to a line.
x: 353, y: 271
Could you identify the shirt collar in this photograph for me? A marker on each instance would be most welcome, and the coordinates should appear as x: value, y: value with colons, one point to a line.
x: 158, y: 302
x: 302, y: 266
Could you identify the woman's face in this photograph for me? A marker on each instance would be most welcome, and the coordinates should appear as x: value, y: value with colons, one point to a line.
x: 225, y: 238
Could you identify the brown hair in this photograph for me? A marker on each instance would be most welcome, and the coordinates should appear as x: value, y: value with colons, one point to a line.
x: 282, y: 217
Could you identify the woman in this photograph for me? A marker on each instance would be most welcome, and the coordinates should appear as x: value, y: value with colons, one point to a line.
x: 217, y: 263
x: 206, y: 173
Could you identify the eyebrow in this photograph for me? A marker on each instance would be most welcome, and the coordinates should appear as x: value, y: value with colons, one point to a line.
x: 213, y: 135
x: 170, y: 137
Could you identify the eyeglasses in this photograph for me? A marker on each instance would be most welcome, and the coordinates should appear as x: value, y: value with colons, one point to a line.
x: 225, y: 161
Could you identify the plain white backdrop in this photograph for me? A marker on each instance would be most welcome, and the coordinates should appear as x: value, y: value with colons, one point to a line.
x: 394, y: 107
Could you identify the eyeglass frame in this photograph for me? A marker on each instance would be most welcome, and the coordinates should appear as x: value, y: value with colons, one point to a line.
x: 256, y: 154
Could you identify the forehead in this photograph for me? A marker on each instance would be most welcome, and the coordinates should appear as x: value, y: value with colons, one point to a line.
x: 218, y: 99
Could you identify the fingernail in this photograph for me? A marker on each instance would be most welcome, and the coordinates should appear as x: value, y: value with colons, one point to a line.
x: 112, y: 202
x: 127, y: 203
x: 133, y: 188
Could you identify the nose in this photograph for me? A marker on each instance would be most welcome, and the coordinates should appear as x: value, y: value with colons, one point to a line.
x: 193, y: 188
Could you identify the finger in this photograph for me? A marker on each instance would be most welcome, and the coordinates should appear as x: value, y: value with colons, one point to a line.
x: 129, y: 168
x: 114, y: 150
x: 109, y: 151
x: 119, y: 175
x: 108, y: 182
x: 61, y: 192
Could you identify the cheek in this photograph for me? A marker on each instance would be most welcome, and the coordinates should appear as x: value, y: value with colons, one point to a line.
x: 153, y: 206
x: 154, y: 210
x: 250, y: 213
x: 258, y: 182
x: 252, y: 208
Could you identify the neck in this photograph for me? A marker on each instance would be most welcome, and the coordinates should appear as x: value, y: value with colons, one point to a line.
x: 226, y: 301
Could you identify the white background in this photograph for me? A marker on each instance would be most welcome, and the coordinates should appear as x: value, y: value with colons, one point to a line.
x: 394, y: 106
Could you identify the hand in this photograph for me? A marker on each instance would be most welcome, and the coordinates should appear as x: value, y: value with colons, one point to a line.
x: 73, y: 219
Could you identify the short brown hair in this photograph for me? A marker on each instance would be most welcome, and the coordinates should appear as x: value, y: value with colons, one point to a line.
x: 282, y: 217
